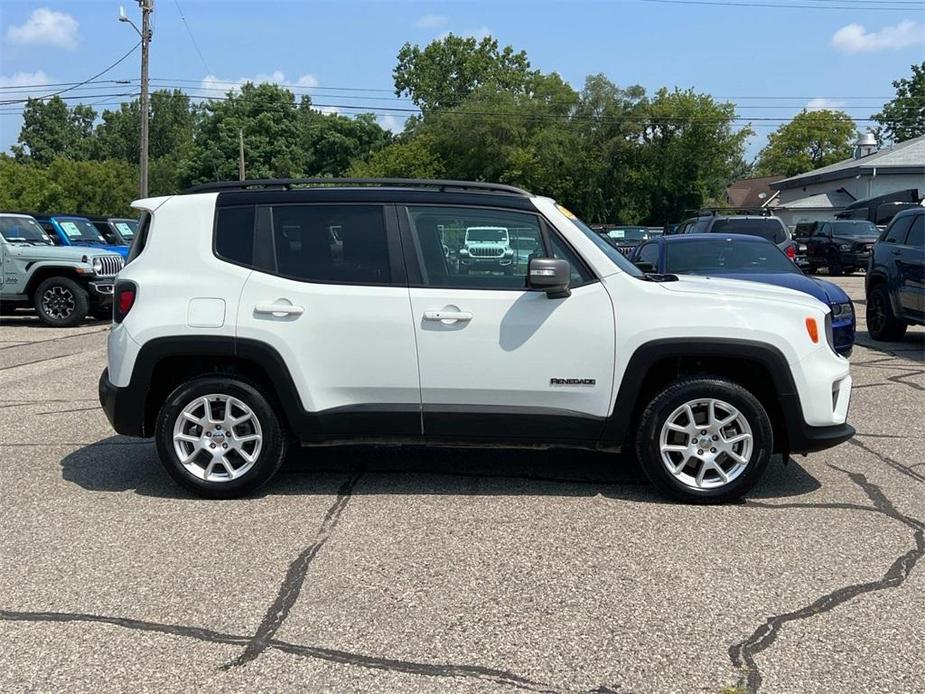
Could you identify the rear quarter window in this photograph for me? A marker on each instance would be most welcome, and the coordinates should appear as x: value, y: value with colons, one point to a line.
x: 234, y: 234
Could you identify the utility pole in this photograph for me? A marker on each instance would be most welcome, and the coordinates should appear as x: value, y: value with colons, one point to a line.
x: 147, y: 7
x: 240, y: 154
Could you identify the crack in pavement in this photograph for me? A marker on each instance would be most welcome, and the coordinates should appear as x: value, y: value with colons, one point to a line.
x: 295, y: 577
x: 494, y: 675
x: 743, y: 653
x: 55, y: 339
x: 895, y: 464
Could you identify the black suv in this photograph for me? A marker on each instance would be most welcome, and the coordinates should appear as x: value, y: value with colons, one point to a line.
x: 895, y: 281
x: 843, y: 246
x: 767, y: 227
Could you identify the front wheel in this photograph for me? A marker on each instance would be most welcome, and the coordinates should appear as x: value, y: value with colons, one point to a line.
x: 835, y: 268
x: 60, y: 302
x: 219, y: 437
x: 704, y: 440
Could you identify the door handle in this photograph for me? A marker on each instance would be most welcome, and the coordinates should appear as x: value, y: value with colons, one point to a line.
x: 279, y: 309
x: 447, y: 315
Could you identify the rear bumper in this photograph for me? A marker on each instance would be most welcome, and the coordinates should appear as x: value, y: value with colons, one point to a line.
x: 125, y: 413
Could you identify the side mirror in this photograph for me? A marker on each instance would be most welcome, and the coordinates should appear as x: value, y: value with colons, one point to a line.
x: 550, y: 275
x: 644, y: 265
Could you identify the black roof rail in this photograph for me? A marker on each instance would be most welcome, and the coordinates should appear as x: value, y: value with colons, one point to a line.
x: 290, y: 183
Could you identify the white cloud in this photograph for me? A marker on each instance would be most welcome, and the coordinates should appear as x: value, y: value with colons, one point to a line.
x: 431, y: 21
x: 46, y: 28
x: 215, y: 86
x: 393, y: 123
x: 23, y: 79
x: 854, y: 38
x: 822, y: 103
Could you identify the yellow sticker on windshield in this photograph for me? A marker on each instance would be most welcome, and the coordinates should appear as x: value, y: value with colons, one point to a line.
x: 566, y: 212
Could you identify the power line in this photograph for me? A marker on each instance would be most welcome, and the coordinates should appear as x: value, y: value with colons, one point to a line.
x: 78, y: 84
x: 192, y: 38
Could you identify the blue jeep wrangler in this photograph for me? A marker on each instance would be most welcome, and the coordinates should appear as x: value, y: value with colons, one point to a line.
x: 895, y: 281
x: 71, y: 230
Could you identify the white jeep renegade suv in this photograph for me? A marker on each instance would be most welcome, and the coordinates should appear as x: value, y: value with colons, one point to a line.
x: 269, y: 329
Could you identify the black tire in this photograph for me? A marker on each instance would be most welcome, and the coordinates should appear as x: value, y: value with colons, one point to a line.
x: 102, y: 313
x: 269, y: 457
x: 60, y: 302
x: 666, y: 402
x: 835, y: 268
x: 882, y: 323
x: 850, y: 270
x: 812, y: 269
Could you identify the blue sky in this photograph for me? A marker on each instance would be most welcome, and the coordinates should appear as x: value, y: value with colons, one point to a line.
x: 343, y: 52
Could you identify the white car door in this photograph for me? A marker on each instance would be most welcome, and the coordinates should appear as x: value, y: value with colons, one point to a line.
x: 336, y: 309
x: 498, y: 361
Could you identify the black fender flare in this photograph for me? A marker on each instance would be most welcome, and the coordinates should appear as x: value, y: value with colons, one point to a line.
x: 647, y: 355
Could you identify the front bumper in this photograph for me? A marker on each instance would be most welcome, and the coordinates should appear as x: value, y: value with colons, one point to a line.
x: 124, y: 410
x: 808, y: 439
x: 101, y: 292
x: 854, y: 259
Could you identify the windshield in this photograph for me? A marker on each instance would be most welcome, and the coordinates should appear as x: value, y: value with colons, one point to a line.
x: 609, y: 250
x: 725, y: 256
x: 80, y: 230
x: 126, y: 227
x: 857, y: 228
x: 23, y: 229
x: 767, y: 228
x: 628, y: 233
x: 486, y: 234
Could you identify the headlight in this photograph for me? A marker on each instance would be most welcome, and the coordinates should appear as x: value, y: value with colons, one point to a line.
x: 98, y: 265
x: 844, y: 246
x: 840, y: 311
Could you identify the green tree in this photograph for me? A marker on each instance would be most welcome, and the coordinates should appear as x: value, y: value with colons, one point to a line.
x: 448, y: 70
x: 269, y: 120
x: 79, y: 187
x: 903, y: 117
x: 51, y: 129
x: 688, y: 150
x: 332, y: 142
x: 811, y: 140
x: 170, y: 125
x: 405, y: 157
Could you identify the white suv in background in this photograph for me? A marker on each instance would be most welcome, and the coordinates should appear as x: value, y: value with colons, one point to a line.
x: 267, y: 331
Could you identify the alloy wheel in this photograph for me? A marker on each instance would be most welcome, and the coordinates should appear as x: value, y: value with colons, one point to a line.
x: 217, y: 438
x: 706, y: 443
x: 58, y: 302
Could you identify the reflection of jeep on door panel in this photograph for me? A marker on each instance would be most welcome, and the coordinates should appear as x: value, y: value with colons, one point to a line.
x: 488, y: 249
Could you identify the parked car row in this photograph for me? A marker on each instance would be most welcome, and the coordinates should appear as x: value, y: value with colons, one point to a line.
x: 62, y: 266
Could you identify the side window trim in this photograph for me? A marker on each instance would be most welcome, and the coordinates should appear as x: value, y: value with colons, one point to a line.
x: 548, y: 231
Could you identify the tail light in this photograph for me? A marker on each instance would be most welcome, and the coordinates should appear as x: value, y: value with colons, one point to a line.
x: 123, y: 299
x: 791, y: 252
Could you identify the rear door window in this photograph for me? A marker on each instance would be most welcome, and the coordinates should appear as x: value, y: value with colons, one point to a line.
x: 234, y: 234
x: 916, y: 235
x: 336, y: 244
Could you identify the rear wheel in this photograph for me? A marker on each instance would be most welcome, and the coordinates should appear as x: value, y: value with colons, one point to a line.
x: 704, y: 440
x: 219, y: 437
x: 60, y: 302
x: 835, y: 267
x: 882, y: 323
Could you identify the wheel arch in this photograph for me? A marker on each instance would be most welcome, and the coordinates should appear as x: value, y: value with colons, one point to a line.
x: 164, y: 363
x: 40, y: 273
x: 759, y: 367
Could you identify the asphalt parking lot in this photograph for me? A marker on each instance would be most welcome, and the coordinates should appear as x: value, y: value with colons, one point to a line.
x: 452, y: 570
